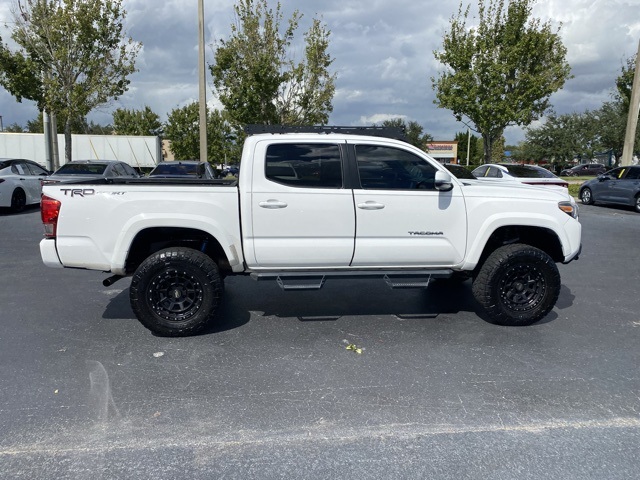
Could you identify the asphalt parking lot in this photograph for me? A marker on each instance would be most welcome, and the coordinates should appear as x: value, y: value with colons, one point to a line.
x: 273, y: 392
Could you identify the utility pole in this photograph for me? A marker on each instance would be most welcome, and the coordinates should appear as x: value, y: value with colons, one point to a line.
x: 203, y: 83
x: 632, y: 118
x: 468, y: 144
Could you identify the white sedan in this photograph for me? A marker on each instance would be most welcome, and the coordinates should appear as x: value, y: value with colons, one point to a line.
x: 20, y: 183
x: 529, y: 174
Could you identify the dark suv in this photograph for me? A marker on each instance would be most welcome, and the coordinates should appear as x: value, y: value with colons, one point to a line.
x: 584, y: 169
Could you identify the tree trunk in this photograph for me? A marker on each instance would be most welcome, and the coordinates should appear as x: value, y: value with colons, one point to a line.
x: 67, y: 140
x: 487, y: 142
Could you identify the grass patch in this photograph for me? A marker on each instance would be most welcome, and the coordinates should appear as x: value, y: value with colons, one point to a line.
x: 574, y: 189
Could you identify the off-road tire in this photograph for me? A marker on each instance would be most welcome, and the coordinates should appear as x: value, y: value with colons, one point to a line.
x: 586, y: 196
x: 517, y: 285
x: 175, y: 292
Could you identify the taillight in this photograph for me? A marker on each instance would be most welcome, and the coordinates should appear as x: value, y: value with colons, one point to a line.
x: 49, y: 211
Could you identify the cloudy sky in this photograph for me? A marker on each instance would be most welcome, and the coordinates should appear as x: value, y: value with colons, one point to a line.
x: 382, y: 50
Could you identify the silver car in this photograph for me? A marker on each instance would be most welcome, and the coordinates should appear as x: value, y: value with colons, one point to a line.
x: 20, y: 183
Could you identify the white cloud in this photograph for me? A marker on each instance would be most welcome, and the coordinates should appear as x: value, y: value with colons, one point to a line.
x: 383, y: 55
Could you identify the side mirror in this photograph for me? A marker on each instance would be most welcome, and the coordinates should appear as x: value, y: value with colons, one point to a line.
x: 443, y: 181
x: 602, y: 177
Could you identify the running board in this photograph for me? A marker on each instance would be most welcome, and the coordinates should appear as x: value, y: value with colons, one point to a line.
x: 310, y: 280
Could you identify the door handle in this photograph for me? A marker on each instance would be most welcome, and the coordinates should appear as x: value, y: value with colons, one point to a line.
x: 271, y: 204
x: 371, y: 205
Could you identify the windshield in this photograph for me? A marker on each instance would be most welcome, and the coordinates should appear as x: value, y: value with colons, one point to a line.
x: 175, y: 169
x: 459, y: 171
x: 528, y: 171
x: 82, y: 169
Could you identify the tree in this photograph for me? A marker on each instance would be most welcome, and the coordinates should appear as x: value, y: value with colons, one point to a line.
x: 183, y: 129
x: 562, y: 138
x: 14, y: 128
x: 256, y: 77
x: 501, y: 72
x: 78, y: 125
x: 19, y: 75
x: 463, y: 141
x: 413, y: 130
x: 81, y: 51
x: 136, y: 122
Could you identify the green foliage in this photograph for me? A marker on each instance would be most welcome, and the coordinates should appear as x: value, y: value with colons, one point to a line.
x: 413, y: 131
x: 80, y: 49
x: 183, y: 129
x: 562, y: 138
x: 475, y: 154
x: 136, y: 122
x: 77, y: 126
x: 503, y: 71
x: 19, y: 75
x: 624, y: 83
x: 14, y: 128
x: 256, y: 80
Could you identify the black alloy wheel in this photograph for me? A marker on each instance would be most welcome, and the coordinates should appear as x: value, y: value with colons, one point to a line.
x: 517, y: 285
x: 176, y: 292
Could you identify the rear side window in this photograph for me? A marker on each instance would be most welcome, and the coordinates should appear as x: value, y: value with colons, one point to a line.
x: 304, y: 165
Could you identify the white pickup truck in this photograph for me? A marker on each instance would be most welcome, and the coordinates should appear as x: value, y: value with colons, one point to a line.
x: 309, y: 207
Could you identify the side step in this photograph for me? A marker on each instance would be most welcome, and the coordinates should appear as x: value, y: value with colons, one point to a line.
x: 314, y: 280
x: 300, y: 283
x: 407, y: 281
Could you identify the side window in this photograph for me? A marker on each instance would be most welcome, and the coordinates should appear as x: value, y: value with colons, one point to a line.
x: 480, y: 171
x: 493, y: 172
x: 118, y: 170
x: 36, y: 169
x: 390, y: 168
x: 304, y: 165
x: 634, y: 174
x: 129, y: 170
x: 19, y: 169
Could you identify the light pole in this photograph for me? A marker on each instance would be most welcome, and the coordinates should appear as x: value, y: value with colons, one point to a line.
x: 203, y: 83
x: 632, y: 118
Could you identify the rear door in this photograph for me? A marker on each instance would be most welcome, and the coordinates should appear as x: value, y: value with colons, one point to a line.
x: 29, y: 180
x: 302, y: 216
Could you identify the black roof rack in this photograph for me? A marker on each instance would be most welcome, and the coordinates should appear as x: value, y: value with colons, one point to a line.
x: 388, y: 132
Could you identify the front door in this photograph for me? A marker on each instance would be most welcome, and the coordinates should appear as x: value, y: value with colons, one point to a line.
x: 402, y: 220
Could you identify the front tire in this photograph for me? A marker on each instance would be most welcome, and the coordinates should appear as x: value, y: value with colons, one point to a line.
x: 586, y: 196
x: 636, y: 204
x: 517, y: 285
x: 175, y: 292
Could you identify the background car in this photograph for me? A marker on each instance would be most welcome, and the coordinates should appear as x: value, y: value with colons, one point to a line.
x: 529, y: 174
x: 20, y: 183
x: 620, y: 186
x: 183, y: 168
x: 92, y: 170
x: 459, y: 171
x: 584, y: 169
x: 230, y: 171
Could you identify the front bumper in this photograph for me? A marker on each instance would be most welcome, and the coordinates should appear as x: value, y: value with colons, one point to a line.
x: 573, y: 257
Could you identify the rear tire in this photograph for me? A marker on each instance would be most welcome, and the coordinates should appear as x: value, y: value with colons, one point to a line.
x: 517, y: 285
x: 176, y: 292
x: 636, y: 205
x: 18, y: 200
